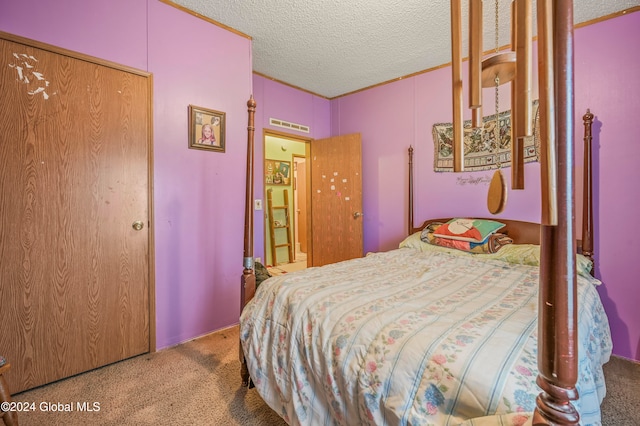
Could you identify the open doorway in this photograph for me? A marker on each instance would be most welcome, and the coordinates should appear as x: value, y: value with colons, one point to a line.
x: 286, y: 208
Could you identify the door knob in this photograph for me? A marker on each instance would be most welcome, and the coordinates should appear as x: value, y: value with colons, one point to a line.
x: 357, y: 215
x: 137, y: 225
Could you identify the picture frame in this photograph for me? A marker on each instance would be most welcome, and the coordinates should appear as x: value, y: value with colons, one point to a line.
x: 206, y: 129
x: 277, y: 172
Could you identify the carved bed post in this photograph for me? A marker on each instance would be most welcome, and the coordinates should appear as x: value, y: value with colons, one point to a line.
x: 587, y: 191
x: 557, y: 307
x: 248, y: 280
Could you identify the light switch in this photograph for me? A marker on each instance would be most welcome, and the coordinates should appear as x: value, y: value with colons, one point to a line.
x: 257, y: 204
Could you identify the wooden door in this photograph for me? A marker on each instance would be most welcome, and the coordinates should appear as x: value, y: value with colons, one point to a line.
x: 74, y: 176
x: 336, y: 199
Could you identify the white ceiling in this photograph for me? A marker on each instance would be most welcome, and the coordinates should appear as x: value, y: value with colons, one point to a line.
x: 333, y: 47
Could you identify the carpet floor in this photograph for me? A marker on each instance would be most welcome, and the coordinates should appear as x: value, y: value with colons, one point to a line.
x: 198, y: 383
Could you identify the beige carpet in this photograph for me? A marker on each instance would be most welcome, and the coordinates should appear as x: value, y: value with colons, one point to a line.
x: 198, y: 383
x: 285, y: 268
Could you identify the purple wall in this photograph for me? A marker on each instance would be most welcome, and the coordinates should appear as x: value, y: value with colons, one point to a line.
x: 391, y: 117
x: 607, y: 69
x: 115, y: 31
x: 197, y: 194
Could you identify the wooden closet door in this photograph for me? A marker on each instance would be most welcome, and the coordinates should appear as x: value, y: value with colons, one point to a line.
x: 74, y: 176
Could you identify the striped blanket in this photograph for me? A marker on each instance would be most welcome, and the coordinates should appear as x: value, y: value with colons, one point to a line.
x: 410, y: 338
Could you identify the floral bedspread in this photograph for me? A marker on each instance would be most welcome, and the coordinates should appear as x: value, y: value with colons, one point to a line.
x: 409, y: 337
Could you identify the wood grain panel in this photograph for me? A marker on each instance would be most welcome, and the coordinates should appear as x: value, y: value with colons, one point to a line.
x: 336, y: 195
x: 74, y: 152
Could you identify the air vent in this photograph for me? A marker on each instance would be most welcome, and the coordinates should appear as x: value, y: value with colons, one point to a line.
x: 288, y: 125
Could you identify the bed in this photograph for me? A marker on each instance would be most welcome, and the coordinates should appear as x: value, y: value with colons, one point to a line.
x: 418, y: 335
x: 422, y: 334
x: 425, y: 334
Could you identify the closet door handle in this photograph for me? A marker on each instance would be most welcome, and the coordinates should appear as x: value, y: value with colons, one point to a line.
x: 357, y: 215
x: 137, y: 225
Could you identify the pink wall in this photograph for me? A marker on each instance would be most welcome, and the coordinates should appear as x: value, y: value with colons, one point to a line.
x: 197, y: 194
x: 391, y: 117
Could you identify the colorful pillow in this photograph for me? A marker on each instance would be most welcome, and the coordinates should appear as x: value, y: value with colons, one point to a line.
x: 491, y: 244
x: 465, y: 229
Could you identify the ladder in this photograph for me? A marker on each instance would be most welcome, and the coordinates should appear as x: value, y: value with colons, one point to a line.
x: 275, y: 225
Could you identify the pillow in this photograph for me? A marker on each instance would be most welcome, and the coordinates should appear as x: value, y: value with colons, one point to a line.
x: 465, y: 229
x: 529, y: 254
x: 525, y: 254
x: 491, y: 244
x: 413, y: 241
x: 584, y: 265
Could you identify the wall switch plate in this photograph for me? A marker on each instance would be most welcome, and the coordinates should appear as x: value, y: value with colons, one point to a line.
x: 257, y: 204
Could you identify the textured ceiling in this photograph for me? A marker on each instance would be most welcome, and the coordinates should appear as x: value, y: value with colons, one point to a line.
x: 333, y: 47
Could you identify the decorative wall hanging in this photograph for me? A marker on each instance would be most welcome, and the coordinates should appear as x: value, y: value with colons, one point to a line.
x: 481, y: 150
x: 206, y: 129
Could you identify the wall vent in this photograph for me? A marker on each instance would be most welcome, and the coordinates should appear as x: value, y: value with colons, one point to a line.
x: 288, y: 125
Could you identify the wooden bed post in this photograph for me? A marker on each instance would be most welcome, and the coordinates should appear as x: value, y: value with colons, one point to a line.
x: 587, y: 191
x: 557, y: 305
x: 248, y: 280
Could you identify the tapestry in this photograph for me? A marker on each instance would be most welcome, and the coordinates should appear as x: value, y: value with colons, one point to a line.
x: 481, y: 152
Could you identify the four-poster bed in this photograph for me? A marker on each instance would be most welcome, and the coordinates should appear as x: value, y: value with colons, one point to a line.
x: 318, y: 367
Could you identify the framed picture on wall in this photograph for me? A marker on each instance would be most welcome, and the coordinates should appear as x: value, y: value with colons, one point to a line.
x: 206, y: 129
x: 277, y: 172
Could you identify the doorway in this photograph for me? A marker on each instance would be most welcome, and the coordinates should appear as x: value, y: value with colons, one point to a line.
x: 286, y: 208
x: 332, y: 197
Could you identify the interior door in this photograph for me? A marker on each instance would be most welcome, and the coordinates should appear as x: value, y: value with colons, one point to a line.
x: 74, y: 212
x: 336, y: 199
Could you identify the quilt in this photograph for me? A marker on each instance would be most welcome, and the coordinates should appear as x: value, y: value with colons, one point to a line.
x: 410, y: 337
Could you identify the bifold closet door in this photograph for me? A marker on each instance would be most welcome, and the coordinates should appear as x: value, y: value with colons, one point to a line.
x: 74, y: 176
